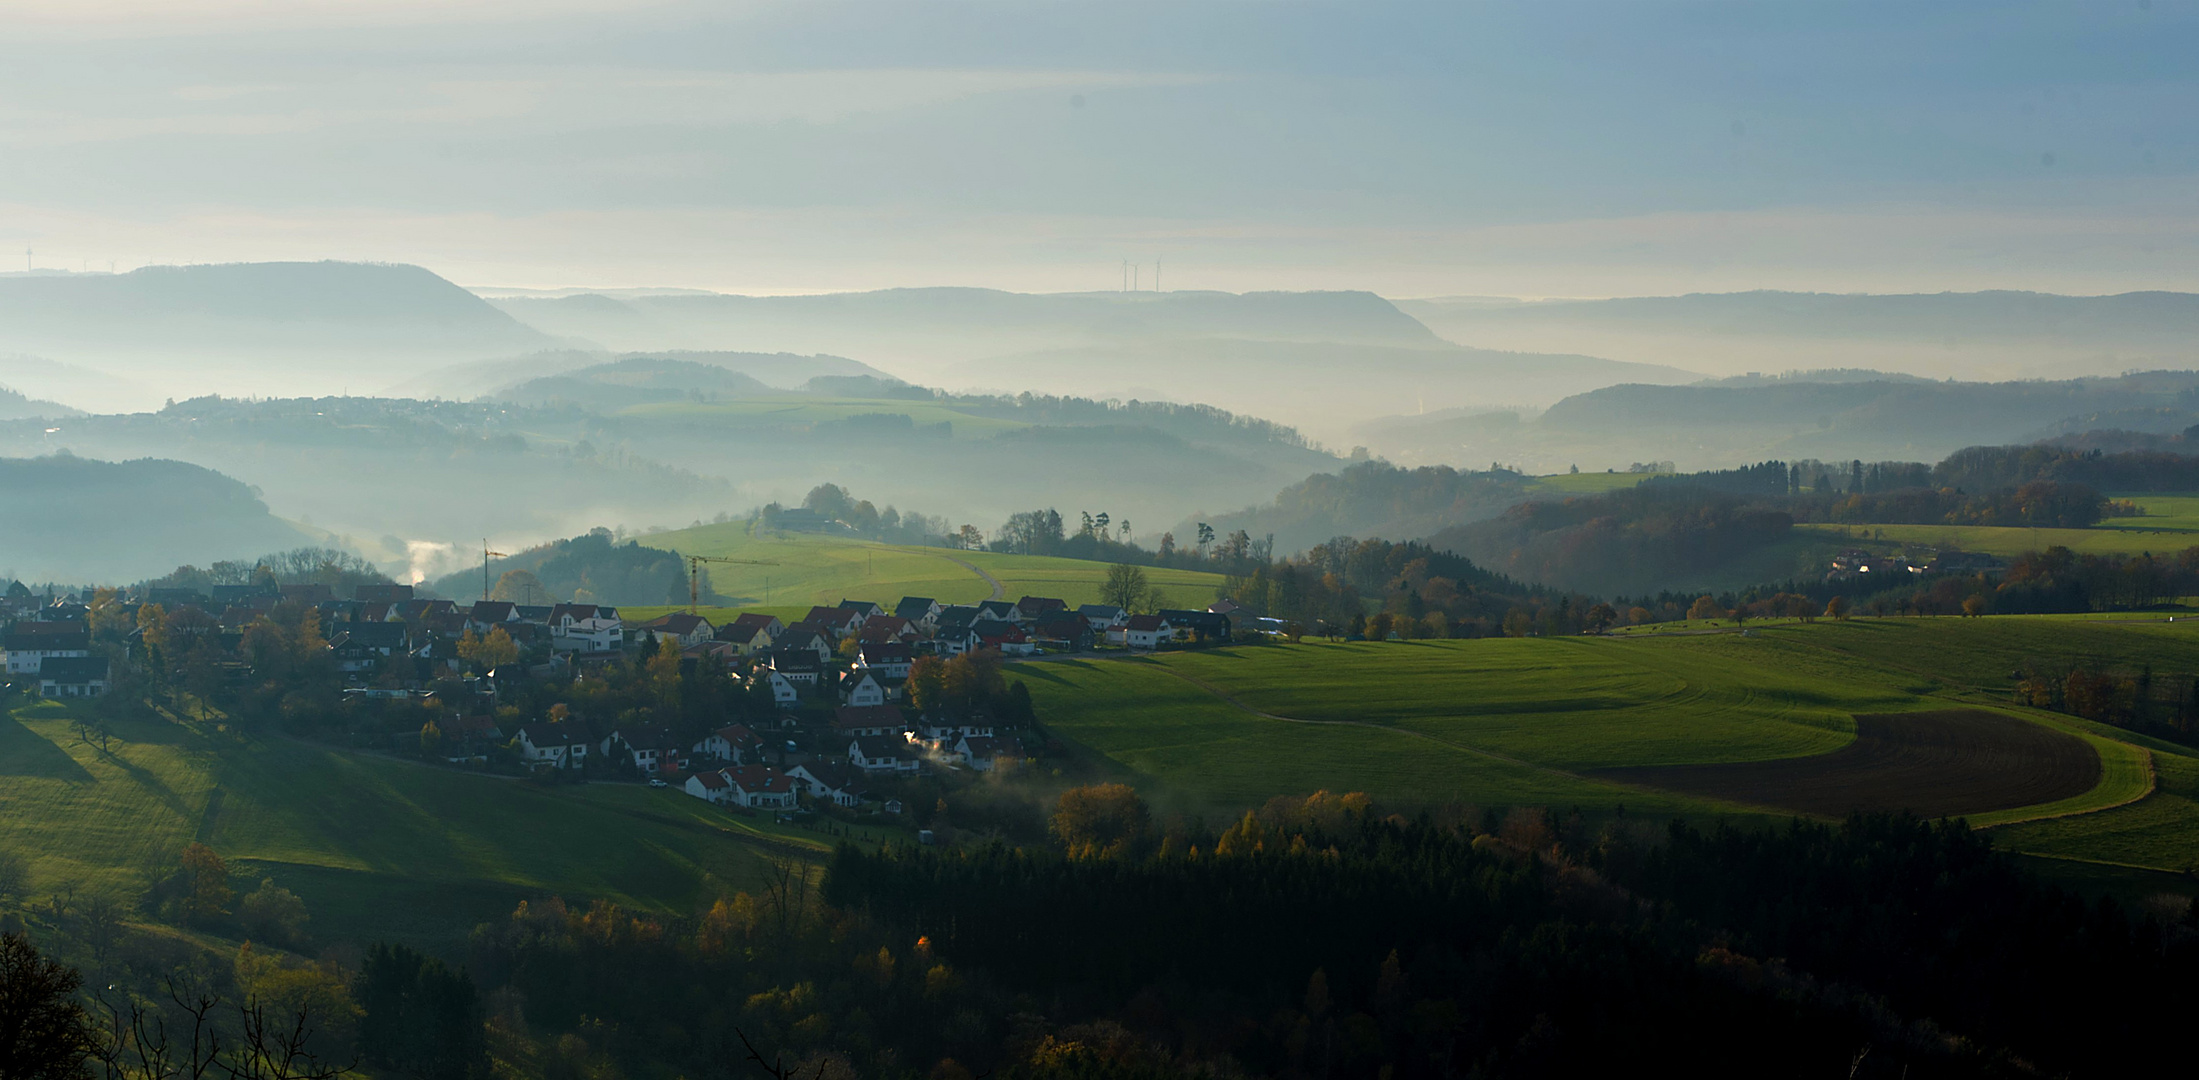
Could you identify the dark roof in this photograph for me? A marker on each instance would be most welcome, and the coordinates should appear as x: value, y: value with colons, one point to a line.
x: 1145, y: 622
x: 995, y: 628
x: 46, y: 642
x: 1072, y: 627
x: 490, y: 610
x: 754, y: 618
x: 738, y: 634
x: 885, y: 651
x: 548, y: 734
x: 678, y: 622
x: 883, y: 746
x: 868, y: 716
x: 1099, y: 611
x: 800, y: 638
x: 795, y: 660
x: 914, y: 607
x: 1035, y: 606
x: 837, y: 775
x: 958, y: 615
x: 383, y: 594
x: 862, y: 607
x: 999, y: 609
x: 73, y: 669
x: 1208, y: 620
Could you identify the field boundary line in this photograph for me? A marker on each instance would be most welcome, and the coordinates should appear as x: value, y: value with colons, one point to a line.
x: 2153, y: 780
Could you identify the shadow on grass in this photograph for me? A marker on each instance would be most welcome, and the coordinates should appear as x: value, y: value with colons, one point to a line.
x: 24, y: 752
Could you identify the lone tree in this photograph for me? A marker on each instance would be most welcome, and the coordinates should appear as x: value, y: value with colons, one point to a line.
x: 1126, y: 586
x: 44, y: 1033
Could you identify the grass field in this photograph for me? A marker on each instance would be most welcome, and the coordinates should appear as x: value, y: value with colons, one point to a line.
x: 2170, y: 523
x: 1587, y: 483
x: 378, y: 848
x: 1527, y: 721
x: 810, y: 570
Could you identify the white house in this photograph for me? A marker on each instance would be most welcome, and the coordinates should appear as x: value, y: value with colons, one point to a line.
x: 586, y: 635
x: 860, y: 689
x: 712, y: 787
x: 73, y: 677
x: 653, y: 748
x: 761, y: 786
x: 1145, y: 631
x: 552, y: 746
x: 830, y: 780
x: 890, y: 660
x: 30, y: 645
x: 978, y: 752
x: 883, y: 753
x: 688, y: 630
x: 736, y: 744
x: 784, y: 693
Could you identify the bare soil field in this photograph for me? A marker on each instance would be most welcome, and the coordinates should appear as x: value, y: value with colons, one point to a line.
x: 1935, y: 764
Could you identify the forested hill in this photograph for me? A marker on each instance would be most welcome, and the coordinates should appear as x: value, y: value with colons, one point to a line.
x: 72, y: 519
x: 1375, y: 498
x: 15, y: 406
x: 593, y: 568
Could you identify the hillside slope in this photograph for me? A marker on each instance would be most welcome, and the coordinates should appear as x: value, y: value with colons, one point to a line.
x: 72, y: 519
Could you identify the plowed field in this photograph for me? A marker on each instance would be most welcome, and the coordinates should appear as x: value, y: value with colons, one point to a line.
x: 1935, y: 764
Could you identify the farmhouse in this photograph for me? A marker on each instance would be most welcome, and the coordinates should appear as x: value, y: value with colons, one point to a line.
x: 589, y: 635
x: 1103, y: 617
x: 1201, y: 626
x: 73, y: 677
x: 835, y: 621
x: 768, y: 624
x: 1144, y: 631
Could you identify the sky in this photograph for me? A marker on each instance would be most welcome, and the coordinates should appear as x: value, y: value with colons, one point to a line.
x: 1543, y: 149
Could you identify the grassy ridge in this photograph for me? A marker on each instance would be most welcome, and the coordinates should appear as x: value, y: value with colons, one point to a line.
x: 825, y: 570
x: 378, y: 848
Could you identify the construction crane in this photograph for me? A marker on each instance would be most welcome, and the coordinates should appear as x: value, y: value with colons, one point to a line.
x: 694, y: 574
x: 486, y: 554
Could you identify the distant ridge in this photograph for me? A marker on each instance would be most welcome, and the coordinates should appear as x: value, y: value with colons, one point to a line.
x: 107, y: 522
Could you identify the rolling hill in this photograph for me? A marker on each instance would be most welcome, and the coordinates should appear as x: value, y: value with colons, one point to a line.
x: 73, y: 519
x: 256, y: 327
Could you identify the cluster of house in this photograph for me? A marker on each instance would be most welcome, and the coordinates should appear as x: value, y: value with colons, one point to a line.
x: 49, y: 640
x: 796, y: 658
x: 1858, y: 565
x: 734, y: 766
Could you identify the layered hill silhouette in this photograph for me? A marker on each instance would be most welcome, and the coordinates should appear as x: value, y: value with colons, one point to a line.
x: 88, y: 520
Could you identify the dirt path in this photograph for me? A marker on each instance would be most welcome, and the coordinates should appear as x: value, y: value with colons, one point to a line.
x: 1000, y: 592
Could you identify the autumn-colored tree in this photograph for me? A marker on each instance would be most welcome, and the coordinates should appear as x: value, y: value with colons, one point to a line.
x: 1437, y: 624
x: 1637, y: 616
x: 1518, y: 622
x: 1379, y: 627
x: 206, y: 883
x: 1837, y: 608
x: 1705, y: 607
x: 1973, y: 606
x: 927, y: 685
x: 1099, y: 817
x: 431, y: 738
x: 495, y: 650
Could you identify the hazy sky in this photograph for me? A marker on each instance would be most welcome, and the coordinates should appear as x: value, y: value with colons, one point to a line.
x: 1424, y: 149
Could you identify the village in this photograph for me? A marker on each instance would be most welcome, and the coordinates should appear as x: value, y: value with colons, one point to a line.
x: 826, y: 713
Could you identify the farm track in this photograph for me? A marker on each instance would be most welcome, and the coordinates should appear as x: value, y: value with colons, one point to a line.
x: 1000, y: 591
x: 1935, y: 764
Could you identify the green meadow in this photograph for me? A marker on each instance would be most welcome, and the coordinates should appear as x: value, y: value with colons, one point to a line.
x: 2170, y: 523
x: 1507, y: 722
x: 379, y: 848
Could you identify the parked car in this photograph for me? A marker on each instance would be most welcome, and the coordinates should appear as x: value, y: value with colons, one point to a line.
x: 657, y: 783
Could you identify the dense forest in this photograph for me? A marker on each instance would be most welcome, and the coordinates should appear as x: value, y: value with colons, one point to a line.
x: 1316, y: 936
